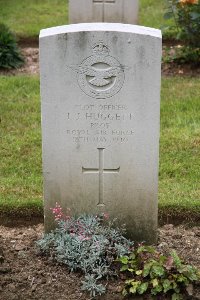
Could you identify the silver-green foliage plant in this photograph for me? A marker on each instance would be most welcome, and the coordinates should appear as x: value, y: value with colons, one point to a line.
x: 86, y: 243
x: 10, y: 56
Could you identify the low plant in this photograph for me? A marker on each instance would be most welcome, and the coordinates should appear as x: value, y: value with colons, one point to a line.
x: 186, y: 14
x: 150, y: 272
x: 182, y: 54
x: 10, y: 56
x: 86, y: 243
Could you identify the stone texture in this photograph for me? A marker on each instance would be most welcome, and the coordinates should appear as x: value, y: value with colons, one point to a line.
x: 100, y: 89
x: 113, y: 11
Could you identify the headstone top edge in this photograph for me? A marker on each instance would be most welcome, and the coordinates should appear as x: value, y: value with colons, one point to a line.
x: 112, y: 27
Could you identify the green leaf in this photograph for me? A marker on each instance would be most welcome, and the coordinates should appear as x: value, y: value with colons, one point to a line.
x: 139, y: 272
x: 140, y: 249
x: 154, y: 282
x: 162, y: 259
x: 124, y: 292
x: 147, y: 268
x: 133, y: 290
x: 177, y: 290
x: 198, y: 274
x: 132, y: 256
x: 166, y: 285
x: 157, y: 270
x: 129, y: 281
x: 135, y: 283
x: 124, y: 268
x: 174, y: 284
x: 142, y: 288
x: 149, y: 249
x: 157, y: 289
x: 176, y: 259
x: 130, y: 270
x: 190, y: 272
x: 176, y: 296
x: 133, y: 263
x: 124, y: 260
x: 194, y: 15
x: 182, y: 278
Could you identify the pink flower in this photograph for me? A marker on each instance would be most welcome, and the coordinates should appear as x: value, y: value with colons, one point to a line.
x: 106, y: 216
x: 84, y: 238
x: 87, y: 238
x: 58, y: 213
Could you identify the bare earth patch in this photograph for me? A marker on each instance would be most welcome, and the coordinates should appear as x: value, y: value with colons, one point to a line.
x: 31, y: 67
x: 24, y: 274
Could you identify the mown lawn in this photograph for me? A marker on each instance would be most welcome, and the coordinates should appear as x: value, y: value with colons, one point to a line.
x: 151, y: 13
x: 28, y: 17
x: 179, y: 185
x: 20, y: 150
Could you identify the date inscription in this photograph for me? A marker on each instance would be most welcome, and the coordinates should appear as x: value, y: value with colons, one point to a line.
x: 100, y: 123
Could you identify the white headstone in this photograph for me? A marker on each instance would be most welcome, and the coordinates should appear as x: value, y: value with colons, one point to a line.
x: 113, y: 11
x: 100, y: 89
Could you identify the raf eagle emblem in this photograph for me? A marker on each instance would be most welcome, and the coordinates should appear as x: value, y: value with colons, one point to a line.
x: 100, y: 75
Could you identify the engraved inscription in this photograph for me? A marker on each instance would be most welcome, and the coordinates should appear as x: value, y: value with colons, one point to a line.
x: 104, y: 124
x: 100, y: 76
x: 101, y: 172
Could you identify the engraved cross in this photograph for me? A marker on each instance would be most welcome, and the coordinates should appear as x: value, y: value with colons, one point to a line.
x: 101, y: 171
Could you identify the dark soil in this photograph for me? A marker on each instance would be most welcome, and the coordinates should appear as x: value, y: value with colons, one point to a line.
x: 25, y: 274
x: 173, y: 68
x: 30, y: 52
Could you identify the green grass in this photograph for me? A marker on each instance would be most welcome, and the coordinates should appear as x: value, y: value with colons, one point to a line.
x: 151, y: 13
x: 20, y: 150
x: 20, y: 140
x: 28, y: 17
x: 180, y: 145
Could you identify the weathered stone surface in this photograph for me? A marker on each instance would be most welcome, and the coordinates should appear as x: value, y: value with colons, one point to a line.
x: 100, y: 89
x: 113, y: 11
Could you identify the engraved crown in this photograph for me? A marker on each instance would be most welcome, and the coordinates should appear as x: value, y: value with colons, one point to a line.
x: 100, y: 49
